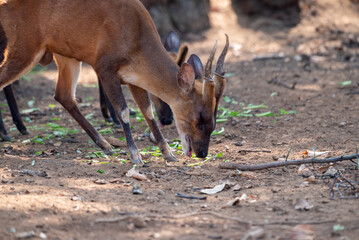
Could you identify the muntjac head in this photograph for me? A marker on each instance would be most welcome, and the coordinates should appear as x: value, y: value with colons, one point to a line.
x: 196, y: 120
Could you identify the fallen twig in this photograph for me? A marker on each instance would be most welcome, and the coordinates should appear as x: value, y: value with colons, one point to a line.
x: 254, y: 150
x: 214, y: 214
x: 275, y: 80
x: 239, y: 220
x: 312, y: 222
x: 274, y: 56
x: 181, y: 195
x: 33, y: 173
x: 110, y: 220
x: 285, y: 163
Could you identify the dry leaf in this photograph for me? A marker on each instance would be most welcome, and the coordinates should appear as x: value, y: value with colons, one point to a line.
x: 312, y: 153
x: 100, y: 181
x: 301, y: 204
x: 50, y: 152
x: 248, y: 174
x: 233, y: 202
x: 136, y: 175
x: 214, y: 190
x: 254, y: 233
x: 117, y: 180
x: 250, y: 198
x: 302, y: 232
x: 311, y: 179
x: 115, y: 142
x: 237, y: 187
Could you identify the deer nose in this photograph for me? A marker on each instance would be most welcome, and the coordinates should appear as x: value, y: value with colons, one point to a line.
x: 202, y: 154
x: 166, y: 120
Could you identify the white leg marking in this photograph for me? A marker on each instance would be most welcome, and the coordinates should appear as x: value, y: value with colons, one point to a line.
x: 149, y: 112
x: 125, y: 115
x: 75, y: 78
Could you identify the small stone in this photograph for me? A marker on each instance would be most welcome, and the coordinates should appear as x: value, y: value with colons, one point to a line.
x: 237, y: 187
x: 238, y: 144
x: 304, y: 171
x: 311, y: 179
x: 331, y: 172
x: 43, y: 235
x: 160, y: 192
x: 23, y: 235
x: 100, y: 181
x: 12, y: 188
x: 29, y: 180
x: 342, y: 124
x: 306, y: 174
x: 137, y: 189
x: 275, y: 158
x: 76, y: 198
x: 302, y: 204
x: 275, y: 190
x: 139, y: 222
x: 304, y: 184
x: 298, y: 58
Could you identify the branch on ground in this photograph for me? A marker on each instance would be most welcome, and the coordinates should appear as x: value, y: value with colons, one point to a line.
x: 285, y: 163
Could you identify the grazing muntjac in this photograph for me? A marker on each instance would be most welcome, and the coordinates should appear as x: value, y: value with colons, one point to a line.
x: 123, y: 47
x: 164, y: 113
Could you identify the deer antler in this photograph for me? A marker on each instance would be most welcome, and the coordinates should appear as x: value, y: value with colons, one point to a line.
x: 219, y: 69
x: 208, y: 69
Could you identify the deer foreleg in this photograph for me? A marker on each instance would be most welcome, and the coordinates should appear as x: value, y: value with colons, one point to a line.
x: 142, y: 99
x: 111, y: 85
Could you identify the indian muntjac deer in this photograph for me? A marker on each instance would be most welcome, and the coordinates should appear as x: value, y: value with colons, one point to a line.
x: 119, y: 40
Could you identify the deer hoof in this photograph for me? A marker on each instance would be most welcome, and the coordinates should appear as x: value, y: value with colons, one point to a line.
x: 5, y: 137
x: 136, y: 158
x: 171, y: 159
x: 108, y: 151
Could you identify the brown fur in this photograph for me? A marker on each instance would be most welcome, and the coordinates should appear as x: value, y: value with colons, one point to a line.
x: 119, y: 40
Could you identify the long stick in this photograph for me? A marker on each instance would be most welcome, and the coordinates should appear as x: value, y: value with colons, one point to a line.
x: 285, y: 163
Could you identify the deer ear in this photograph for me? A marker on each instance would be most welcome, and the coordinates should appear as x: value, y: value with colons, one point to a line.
x: 172, y: 42
x: 185, y: 77
x: 196, y: 64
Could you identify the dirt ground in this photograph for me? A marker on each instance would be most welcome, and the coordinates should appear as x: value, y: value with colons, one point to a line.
x: 87, y: 196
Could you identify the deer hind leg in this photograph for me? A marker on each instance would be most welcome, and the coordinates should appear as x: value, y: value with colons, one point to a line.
x: 143, y: 101
x: 69, y: 70
x: 3, y: 133
x: 112, y: 86
x: 16, y: 117
x: 108, y: 112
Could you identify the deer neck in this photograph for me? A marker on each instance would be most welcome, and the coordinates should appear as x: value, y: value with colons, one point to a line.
x: 155, y: 71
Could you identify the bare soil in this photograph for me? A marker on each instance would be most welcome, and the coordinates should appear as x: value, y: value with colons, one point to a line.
x: 80, y: 199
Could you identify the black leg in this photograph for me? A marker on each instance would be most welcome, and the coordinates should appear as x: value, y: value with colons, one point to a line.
x: 106, y: 107
x: 3, y: 133
x: 16, y: 117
